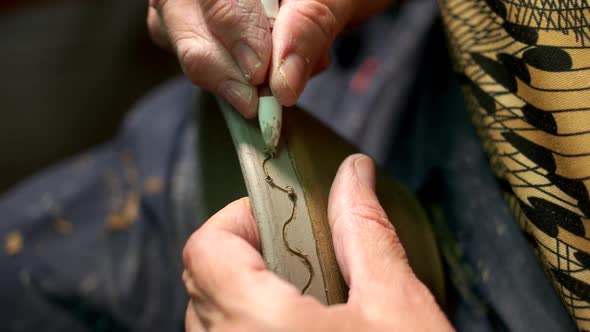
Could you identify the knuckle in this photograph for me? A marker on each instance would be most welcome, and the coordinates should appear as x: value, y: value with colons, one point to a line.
x: 159, y: 4
x: 152, y: 20
x: 186, y: 44
x: 187, y: 251
x: 193, y: 54
x: 369, y: 217
x: 153, y: 33
x: 257, y: 32
x: 155, y: 29
x: 194, y: 247
x: 222, y: 13
x: 256, y: 21
x: 186, y: 52
x: 320, y: 15
x: 416, y: 293
x: 233, y: 19
x: 389, y: 239
x: 369, y: 211
x: 186, y: 254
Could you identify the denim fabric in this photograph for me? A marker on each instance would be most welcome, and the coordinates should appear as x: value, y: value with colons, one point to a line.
x: 100, y: 273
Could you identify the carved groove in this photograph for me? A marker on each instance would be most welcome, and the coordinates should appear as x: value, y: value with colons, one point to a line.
x: 293, y: 198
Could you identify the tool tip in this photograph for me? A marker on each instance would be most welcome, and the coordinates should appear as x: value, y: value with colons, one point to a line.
x: 270, y: 118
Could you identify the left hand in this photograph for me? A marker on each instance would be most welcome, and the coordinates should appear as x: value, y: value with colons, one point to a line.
x: 232, y: 290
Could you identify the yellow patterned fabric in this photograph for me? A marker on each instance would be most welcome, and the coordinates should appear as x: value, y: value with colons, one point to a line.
x: 525, y: 70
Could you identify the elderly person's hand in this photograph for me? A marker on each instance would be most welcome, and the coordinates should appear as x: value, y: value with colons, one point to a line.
x: 226, y: 46
x: 231, y: 289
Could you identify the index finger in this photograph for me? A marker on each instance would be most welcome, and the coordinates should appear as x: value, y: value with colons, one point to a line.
x: 205, y: 61
x: 226, y: 266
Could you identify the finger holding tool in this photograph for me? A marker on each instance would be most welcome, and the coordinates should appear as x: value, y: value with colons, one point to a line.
x: 270, y: 111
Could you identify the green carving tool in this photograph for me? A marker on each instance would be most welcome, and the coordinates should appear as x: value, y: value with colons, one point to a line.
x: 270, y: 111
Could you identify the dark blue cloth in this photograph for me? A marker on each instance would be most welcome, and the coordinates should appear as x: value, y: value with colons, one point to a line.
x: 104, y: 275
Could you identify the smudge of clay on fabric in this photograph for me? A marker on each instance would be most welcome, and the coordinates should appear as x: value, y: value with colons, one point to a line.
x: 293, y: 198
x: 13, y: 243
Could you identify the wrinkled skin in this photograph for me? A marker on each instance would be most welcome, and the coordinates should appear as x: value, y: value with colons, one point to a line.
x: 226, y: 46
x: 231, y: 289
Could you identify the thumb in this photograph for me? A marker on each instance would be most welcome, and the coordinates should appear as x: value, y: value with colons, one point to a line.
x: 302, y: 35
x: 367, y: 247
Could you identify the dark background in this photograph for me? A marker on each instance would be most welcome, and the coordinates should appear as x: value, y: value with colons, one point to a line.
x: 68, y: 72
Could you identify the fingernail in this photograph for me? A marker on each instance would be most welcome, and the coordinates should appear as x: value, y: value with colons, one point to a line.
x: 365, y: 172
x: 237, y: 93
x: 293, y: 70
x: 247, y: 59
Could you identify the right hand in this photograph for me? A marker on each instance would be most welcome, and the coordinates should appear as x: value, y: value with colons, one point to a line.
x: 226, y: 46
